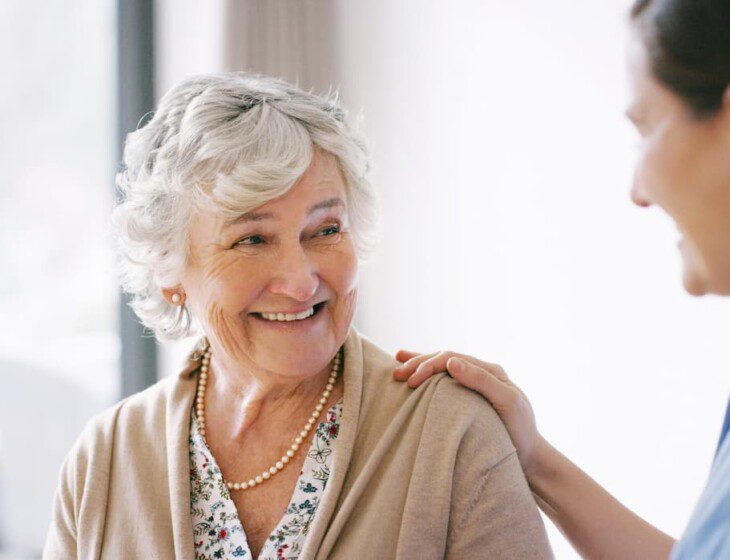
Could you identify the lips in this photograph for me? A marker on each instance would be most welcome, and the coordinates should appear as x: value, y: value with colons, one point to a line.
x: 285, y: 317
x: 288, y: 316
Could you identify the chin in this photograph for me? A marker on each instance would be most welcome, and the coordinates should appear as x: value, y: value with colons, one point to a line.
x: 694, y: 275
x: 694, y: 283
x: 293, y: 357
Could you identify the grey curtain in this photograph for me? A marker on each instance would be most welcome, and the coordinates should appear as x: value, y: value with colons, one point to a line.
x: 291, y: 39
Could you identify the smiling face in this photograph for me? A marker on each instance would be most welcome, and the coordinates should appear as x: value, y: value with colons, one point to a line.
x: 684, y: 167
x: 275, y: 288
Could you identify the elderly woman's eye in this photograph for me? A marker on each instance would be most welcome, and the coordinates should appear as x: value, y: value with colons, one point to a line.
x: 251, y: 240
x: 329, y: 230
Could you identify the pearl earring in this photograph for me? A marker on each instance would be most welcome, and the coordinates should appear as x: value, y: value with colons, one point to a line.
x: 176, y: 298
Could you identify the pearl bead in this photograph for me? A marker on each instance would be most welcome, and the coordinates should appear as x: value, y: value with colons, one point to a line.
x: 176, y: 298
x: 200, y: 414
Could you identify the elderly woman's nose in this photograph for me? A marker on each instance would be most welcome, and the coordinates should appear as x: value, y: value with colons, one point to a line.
x: 295, y: 276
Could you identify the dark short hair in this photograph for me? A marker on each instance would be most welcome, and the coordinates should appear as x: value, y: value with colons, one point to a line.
x: 688, y: 42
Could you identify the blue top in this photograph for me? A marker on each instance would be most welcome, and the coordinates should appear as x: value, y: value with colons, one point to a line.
x: 708, y: 534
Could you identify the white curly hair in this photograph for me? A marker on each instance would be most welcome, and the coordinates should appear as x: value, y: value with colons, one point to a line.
x: 230, y: 142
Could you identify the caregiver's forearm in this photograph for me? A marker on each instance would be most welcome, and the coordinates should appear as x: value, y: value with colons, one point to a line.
x: 596, y: 524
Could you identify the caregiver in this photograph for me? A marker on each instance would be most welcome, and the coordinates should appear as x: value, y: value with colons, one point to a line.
x: 679, y: 63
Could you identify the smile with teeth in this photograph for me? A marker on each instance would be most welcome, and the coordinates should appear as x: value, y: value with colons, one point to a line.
x: 287, y: 316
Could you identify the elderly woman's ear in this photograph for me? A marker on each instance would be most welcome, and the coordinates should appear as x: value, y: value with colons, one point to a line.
x: 174, y: 296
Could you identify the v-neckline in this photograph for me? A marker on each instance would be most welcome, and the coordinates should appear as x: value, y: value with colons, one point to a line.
x: 293, y: 527
x: 326, y: 526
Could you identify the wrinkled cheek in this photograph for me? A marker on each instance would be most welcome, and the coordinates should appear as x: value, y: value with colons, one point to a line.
x: 348, y: 306
x: 347, y: 291
x: 226, y: 329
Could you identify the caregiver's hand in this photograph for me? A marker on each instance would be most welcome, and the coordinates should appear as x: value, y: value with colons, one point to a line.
x: 584, y: 511
x: 488, y: 379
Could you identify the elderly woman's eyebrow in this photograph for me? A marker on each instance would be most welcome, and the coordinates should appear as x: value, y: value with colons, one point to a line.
x: 325, y: 204
x: 248, y: 217
x: 260, y: 216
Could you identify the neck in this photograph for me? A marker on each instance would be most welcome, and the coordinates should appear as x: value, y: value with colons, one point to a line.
x: 241, y: 399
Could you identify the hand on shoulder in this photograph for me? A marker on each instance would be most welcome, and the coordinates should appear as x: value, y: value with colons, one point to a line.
x: 488, y: 379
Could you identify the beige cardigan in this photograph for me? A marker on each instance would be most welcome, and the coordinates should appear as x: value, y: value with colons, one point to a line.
x: 425, y: 473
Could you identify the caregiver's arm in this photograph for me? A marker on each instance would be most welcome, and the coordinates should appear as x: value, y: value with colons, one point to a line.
x: 595, y: 523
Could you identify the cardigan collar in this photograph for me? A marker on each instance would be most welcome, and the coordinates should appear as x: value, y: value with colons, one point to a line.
x: 178, y: 427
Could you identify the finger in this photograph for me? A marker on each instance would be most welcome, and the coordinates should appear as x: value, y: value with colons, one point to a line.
x: 425, y: 367
x: 404, y: 371
x: 494, y: 369
x: 405, y: 355
x: 433, y: 365
x: 481, y: 380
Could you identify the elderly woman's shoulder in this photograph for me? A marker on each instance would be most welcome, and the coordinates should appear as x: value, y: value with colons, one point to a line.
x: 440, y: 400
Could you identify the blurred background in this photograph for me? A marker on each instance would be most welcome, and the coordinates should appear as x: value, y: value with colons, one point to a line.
x: 503, y: 162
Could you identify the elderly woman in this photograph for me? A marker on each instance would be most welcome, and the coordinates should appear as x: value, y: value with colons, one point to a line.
x: 246, y: 207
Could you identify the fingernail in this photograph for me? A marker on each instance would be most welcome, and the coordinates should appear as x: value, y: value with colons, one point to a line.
x: 456, y: 365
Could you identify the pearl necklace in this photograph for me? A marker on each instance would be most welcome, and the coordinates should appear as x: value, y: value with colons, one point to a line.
x: 281, y: 463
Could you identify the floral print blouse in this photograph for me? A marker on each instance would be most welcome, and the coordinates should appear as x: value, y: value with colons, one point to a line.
x: 218, y: 531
